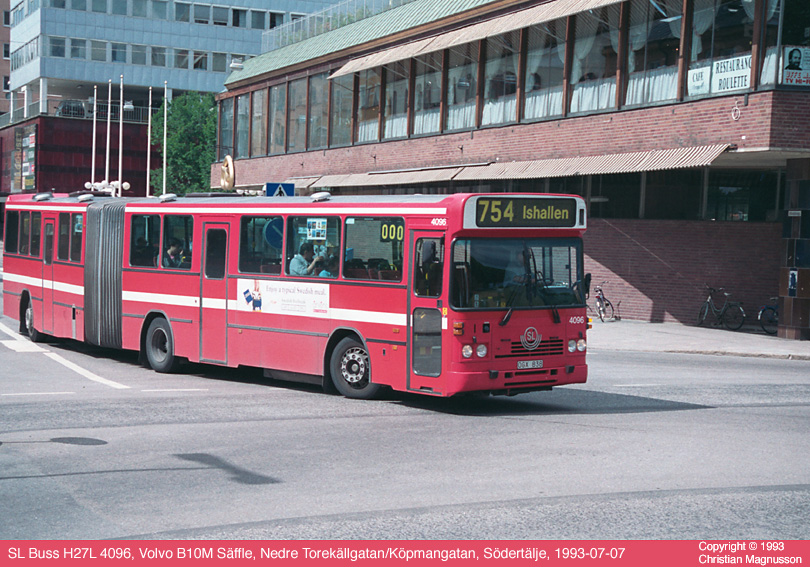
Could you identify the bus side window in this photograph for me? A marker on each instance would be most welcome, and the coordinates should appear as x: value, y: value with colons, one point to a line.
x: 12, y: 231
x: 143, y: 247
x: 429, y: 262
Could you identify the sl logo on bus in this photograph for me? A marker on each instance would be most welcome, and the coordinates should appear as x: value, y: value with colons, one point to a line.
x: 530, y: 339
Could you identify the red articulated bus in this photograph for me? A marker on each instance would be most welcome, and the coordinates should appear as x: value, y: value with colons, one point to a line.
x: 433, y: 294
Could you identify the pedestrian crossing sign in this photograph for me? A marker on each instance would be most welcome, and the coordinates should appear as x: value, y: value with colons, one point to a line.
x: 279, y: 189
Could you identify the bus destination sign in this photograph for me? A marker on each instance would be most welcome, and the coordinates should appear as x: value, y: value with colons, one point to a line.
x: 504, y: 212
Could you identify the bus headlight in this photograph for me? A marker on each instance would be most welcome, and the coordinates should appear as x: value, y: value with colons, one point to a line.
x: 466, y: 351
x: 581, y: 345
x: 481, y: 351
x: 572, y: 345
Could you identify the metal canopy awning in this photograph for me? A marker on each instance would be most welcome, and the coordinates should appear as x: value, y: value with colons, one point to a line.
x: 651, y: 160
x: 632, y: 162
x: 509, y: 22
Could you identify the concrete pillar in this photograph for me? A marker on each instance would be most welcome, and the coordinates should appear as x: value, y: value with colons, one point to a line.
x: 26, y: 100
x: 43, y: 95
x: 794, y: 278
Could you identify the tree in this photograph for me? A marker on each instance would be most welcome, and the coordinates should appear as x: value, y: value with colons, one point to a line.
x: 190, y: 144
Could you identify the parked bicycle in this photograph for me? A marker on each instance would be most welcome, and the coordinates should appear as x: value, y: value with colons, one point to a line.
x: 603, y: 306
x: 730, y: 313
x: 769, y: 317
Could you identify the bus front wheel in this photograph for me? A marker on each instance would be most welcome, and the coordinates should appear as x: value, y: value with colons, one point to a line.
x: 160, y: 346
x: 351, y: 372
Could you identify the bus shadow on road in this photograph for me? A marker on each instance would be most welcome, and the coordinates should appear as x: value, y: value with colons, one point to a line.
x: 560, y: 401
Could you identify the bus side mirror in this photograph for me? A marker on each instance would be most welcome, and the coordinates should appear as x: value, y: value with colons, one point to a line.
x: 587, y: 285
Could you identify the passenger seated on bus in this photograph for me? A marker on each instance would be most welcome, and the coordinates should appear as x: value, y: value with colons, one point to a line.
x: 173, y: 256
x: 331, y: 268
x: 305, y: 262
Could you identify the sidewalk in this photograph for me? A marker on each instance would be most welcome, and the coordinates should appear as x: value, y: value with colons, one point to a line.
x: 675, y: 337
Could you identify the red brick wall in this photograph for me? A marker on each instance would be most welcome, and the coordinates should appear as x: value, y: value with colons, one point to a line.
x: 657, y: 270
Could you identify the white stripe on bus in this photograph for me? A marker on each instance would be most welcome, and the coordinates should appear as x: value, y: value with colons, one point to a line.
x: 48, y: 284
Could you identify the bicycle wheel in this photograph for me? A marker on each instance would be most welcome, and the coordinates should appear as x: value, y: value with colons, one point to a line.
x: 769, y: 320
x: 608, y: 310
x: 704, y: 312
x: 600, y: 309
x: 734, y: 317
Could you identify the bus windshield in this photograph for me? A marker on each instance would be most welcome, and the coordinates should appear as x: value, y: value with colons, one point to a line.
x: 506, y: 273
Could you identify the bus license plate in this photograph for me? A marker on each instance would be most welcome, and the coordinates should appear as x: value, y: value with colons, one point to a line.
x: 528, y: 364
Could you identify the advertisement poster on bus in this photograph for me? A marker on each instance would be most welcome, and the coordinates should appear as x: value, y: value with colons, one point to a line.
x: 796, y: 62
x: 284, y: 298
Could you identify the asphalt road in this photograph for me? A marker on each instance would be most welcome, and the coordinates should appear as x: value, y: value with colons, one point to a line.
x: 94, y: 446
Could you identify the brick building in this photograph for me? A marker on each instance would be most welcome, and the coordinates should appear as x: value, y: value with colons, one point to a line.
x: 684, y: 124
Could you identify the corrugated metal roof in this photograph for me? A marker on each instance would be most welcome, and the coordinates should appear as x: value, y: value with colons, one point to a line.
x: 363, y: 31
x: 495, y: 26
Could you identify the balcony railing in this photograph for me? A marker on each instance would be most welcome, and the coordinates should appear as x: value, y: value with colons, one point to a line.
x: 336, y: 16
x: 79, y: 110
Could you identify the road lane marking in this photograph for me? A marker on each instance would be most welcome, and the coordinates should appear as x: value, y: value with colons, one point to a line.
x: 13, y: 334
x: 86, y: 373
x: 38, y: 394
x: 22, y: 346
x: 178, y: 390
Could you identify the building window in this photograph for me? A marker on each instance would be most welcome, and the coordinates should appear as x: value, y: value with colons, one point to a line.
x: 6, y: 51
x: 200, y: 61
x: 99, y: 6
x: 297, y: 122
x: 7, y: 18
x: 615, y: 196
x: 119, y: 7
x: 119, y: 52
x: 742, y: 195
x: 368, y: 113
x: 181, y: 58
x: 53, y: 4
x: 98, y: 50
x: 220, y: 16
x: 652, y: 61
x: 277, y: 120
x: 395, y: 119
x: 795, y: 36
x: 462, y: 78
x: 182, y: 12
x: 276, y: 19
x: 340, y: 117
x: 202, y: 14
x: 720, y: 61
x: 257, y: 20
x: 160, y: 10
x: 318, y: 111
x: 78, y: 48
x: 56, y: 46
x: 6, y: 83
x: 673, y: 194
x: 138, y: 54
x: 80, y: 5
x: 500, y: 76
x: 139, y: 8
x: 544, y: 71
x: 593, y: 70
x: 219, y: 63
x: 158, y: 56
x: 239, y: 18
x: 428, y: 95
x: 242, y: 126
x: 225, y: 127
x: 258, y: 130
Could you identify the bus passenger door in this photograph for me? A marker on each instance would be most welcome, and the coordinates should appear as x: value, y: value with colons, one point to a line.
x: 427, y: 311
x: 214, y: 294
x: 47, y: 278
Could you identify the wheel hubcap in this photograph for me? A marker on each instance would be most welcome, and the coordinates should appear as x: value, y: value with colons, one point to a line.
x: 354, y: 366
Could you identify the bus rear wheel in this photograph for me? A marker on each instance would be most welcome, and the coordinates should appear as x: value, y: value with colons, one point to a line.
x: 351, y: 372
x: 159, y: 346
x: 33, y: 334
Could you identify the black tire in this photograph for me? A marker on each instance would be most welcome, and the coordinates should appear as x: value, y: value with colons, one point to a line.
x: 33, y: 334
x: 351, y: 372
x: 608, y: 309
x: 159, y: 346
x: 769, y: 320
x: 734, y: 317
x: 704, y: 312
